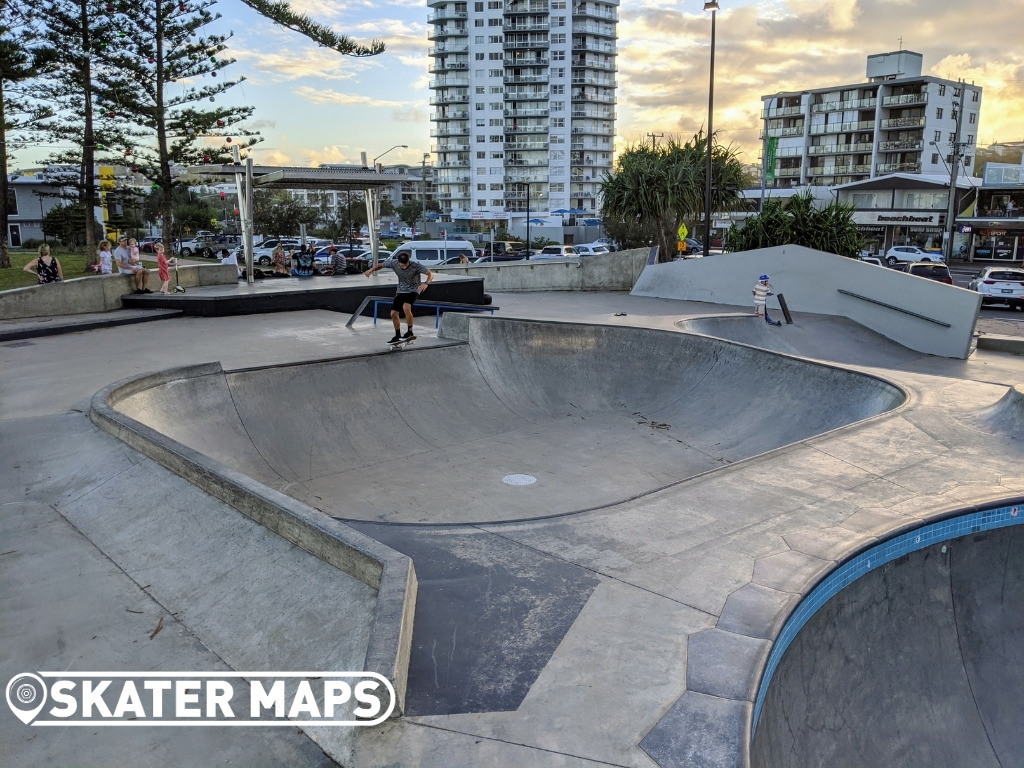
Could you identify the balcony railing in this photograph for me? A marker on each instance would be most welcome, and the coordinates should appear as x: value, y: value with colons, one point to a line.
x: 516, y: 45
x: 840, y: 149
x: 526, y: 95
x: 450, y: 82
x: 457, y: 179
x: 597, y: 98
x: 450, y: 115
x: 837, y: 170
x: 593, y: 13
x: 835, y: 106
x: 526, y: 178
x: 442, y: 50
x: 903, y: 122
x: 578, y: 130
x: 593, y: 45
x: 449, y: 148
x: 526, y: 146
x: 793, y: 130
x: 607, y: 66
x: 901, y: 146
x: 449, y: 98
x: 606, y: 82
x: 454, y: 163
x: 442, y: 132
x: 787, y: 171
x: 441, y: 34
x: 526, y: 113
x: 899, y: 167
x: 526, y: 61
x: 862, y: 125
x: 435, y: 18
x: 526, y: 129
x: 601, y: 30
x: 520, y: 7
x: 513, y: 25
x: 513, y: 79
x: 596, y: 114
x: 905, y: 99
x: 523, y: 163
x: 781, y: 111
x: 533, y: 197
x: 448, y: 66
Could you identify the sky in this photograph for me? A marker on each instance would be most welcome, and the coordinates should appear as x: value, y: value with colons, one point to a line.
x: 315, y: 106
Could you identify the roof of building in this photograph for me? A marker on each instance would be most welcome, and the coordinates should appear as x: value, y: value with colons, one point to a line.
x: 911, y: 181
x: 286, y: 177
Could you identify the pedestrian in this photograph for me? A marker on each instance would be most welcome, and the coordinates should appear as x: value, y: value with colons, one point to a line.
x: 106, y: 260
x: 280, y: 262
x: 124, y: 265
x: 163, y: 265
x: 761, y: 293
x: 409, y: 289
x: 45, y: 267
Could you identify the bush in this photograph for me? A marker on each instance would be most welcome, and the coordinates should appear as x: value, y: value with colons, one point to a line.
x: 31, y: 244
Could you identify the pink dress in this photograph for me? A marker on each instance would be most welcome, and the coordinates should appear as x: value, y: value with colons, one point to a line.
x: 161, y: 263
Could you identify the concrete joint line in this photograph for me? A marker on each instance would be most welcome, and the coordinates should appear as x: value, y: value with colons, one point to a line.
x: 391, y: 573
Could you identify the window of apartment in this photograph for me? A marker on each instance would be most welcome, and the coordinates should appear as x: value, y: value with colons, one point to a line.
x: 967, y: 162
x: 558, y: 122
x: 494, y: 6
x: 481, y: 203
x: 496, y: 89
x: 478, y: 57
x: 558, y: 187
x: 481, y: 156
x: 556, y: 139
x: 938, y: 136
x: 557, y: 106
x: 478, y: 22
x: 12, y: 202
x: 480, y: 139
x: 938, y: 113
x: 558, y: 72
x: 558, y: 21
x: 952, y: 136
x: 497, y: 139
x: 497, y: 203
x: 494, y: 22
x: 494, y: 39
x: 956, y: 93
x: 558, y: 39
x: 974, y: 95
x: 558, y: 89
x: 478, y: 7
x: 558, y: 5
x: 558, y: 55
x: 863, y: 199
x: 480, y: 122
x: 496, y: 121
x: 558, y: 154
x: 935, y: 159
x: 557, y: 170
x: 604, y: 155
x: 942, y: 90
x: 970, y: 138
x: 972, y: 117
x: 497, y: 171
x: 479, y: 89
x: 496, y: 105
x: 481, y: 187
x: 479, y: 39
x: 497, y: 155
x: 494, y: 56
x: 495, y: 72
x: 497, y: 187
x: 481, y: 171
x: 479, y: 106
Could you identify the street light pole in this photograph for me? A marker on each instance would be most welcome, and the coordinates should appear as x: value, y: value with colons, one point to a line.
x: 958, y: 148
x: 423, y: 172
x: 527, y: 221
x: 711, y: 5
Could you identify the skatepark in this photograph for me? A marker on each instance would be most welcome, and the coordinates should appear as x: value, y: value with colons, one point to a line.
x: 594, y: 529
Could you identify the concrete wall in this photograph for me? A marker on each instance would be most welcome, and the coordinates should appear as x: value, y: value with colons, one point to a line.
x: 99, y: 293
x: 609, y: 272
x: 811, y: 281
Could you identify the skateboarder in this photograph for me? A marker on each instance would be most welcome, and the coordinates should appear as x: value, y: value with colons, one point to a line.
x: 409, y: 289
x: 761, y: 293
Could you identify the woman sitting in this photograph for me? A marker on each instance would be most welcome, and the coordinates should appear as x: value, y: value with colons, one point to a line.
x: 45, y: 266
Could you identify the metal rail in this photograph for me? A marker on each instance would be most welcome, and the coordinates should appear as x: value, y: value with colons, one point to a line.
x: 438, y: 305
x: 895, y: 308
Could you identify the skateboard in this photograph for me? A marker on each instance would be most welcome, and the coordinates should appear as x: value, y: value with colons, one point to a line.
x: 400, y: 344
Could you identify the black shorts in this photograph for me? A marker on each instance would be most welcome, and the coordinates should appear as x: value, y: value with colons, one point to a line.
x: 403, y: 298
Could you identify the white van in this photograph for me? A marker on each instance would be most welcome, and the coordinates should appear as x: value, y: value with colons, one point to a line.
x: 431, y: 253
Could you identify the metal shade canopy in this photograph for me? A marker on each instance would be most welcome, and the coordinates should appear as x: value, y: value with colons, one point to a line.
x: 283, y: 177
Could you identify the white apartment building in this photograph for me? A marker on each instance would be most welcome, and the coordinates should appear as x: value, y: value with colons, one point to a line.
x: 899, y: 121
x: 524, y: 100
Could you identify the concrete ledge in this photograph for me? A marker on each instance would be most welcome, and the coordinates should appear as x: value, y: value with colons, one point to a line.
x: 358, y: 555
x: 617, y: 271
x: 99, y: 293
x: 998, y: 343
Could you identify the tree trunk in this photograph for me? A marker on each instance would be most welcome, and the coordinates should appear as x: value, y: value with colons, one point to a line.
x: 164, y: 173
x: 88, y: 178
x: 5, y: 256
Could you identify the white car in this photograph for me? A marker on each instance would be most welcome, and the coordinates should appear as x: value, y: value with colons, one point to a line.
x: 263, y: 254
x: 911, y: 253
x: 873, y: 260
x: 591, y: 250
x: 405, y: 233
x: 998, y: 285
x: 555, y: 252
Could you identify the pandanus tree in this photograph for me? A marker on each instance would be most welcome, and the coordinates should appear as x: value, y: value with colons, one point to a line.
x: 800, y: 221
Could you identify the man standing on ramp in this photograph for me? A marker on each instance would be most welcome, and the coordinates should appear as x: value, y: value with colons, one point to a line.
x: 761, y: 293
x: 409, y: 289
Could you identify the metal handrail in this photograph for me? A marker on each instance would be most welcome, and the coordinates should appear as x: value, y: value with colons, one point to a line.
x: 891, y: 306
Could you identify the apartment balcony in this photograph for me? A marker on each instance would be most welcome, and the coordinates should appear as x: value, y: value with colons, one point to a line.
x: 443, y: 50
x: 604, y: 82
x: 513, y: 79
x: 538, y: 6
x: 514, y: 25
x: 448, y: 66
x: 451, y: 195
x: 901, y: 146
x: 838, y: 106
x: 593, y: 45
x: 447, y: 32
x: 592, y: 12
x: 526, y: 146
x: 531, y: 178
x: 526, y: 113
x: 456, y: 179
x: 520, y: 45
x: 899, y: 167
x: 526, y: 95
x: 580, y: 130
x: 862, y: 125
x: 450, y: 82
x: 787, y: 172
x: 905, y: 99
x: 600, y: 30
x: 449, y: 131
x: 441, y: 16
x: 522, y: 195
x: 795, y: 130
x: 526, y: 129
x: 458, y: 163
x: 595, y: 98
x: 449, y: 148
x: 526, y: 61
x: 837, y: 170
x: 606, y: 66
x: 438, y: 117
x: 449, y: 98
x: 596, y: 114
x: 904, y: 122
x: 781, y: 112
x: 840, y: 149
x: 526, y: 162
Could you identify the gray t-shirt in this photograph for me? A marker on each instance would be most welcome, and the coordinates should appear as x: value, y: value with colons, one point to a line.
x: 408, y: 278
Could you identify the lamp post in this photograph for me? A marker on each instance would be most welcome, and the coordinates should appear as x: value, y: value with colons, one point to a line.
x: 423, y: 178
x: 527, y: 221
x: 371, y: 207
x: 711, y: 5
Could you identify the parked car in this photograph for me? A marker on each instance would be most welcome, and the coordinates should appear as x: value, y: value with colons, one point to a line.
x: 405, y: 233
x: 873, y: 260
x: 589, y: 249
x: 146, y: 244
x: 356, y: 259
x: 999, y: 285
x: 899, y: 253
x: 931, y: 271
x: 610, y: 244
x: 430, y: 253
x: 501, y: 247
x: 519, y: 256
x: 263, y: 254
x: 556, y: 252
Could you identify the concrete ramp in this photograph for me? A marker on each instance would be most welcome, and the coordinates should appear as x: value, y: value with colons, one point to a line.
x: 917, y: 663
x: 594, y: 414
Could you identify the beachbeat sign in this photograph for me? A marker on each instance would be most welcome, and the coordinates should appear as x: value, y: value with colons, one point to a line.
x: 910, y: 219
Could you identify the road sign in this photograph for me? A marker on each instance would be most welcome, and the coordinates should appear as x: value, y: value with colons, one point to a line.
x: 682, y: 231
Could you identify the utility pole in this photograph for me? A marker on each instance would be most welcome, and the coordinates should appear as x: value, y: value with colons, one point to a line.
x: 527, y: 220
x: 426, y: 156
x: 954, y: 168
x: 654, y: 139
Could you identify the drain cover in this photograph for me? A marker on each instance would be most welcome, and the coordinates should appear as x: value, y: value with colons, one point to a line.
x: 519, y: 479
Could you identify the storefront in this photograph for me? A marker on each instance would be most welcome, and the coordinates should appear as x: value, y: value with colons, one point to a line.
x: 997, y: 234
x: 882, y: 230
x: 997, y: 243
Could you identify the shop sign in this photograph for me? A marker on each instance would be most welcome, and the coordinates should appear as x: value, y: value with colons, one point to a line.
x: 896, y: 217
x: 964, y: 229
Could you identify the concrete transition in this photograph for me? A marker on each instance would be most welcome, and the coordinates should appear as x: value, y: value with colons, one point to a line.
x: 919, y: 662
x: 920, y: 314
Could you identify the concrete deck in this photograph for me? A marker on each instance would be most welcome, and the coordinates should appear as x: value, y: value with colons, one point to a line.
x: 596, y: 638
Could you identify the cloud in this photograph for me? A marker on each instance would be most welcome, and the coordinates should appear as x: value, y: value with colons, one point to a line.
x: 328, y: 96
x: 284, y: 63
x: 262, y: 125
x: 413, y: 115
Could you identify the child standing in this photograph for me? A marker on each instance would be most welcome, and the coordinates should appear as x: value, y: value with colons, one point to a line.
x: 106, y: 262
x: 163, y: 267
x: 761, y: 293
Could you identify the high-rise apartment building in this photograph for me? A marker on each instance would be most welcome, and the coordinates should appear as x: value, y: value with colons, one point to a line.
x: 524, y: 100
x: 899, y: 121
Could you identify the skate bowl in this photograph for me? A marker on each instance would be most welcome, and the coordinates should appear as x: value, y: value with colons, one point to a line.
x: 911, y: 653
x: 527, y: 420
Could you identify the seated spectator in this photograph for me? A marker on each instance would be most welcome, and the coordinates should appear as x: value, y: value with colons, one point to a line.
x: 124, y: 265
x: 46, y: 267
x: 303, y: 264
x: 338, y: 261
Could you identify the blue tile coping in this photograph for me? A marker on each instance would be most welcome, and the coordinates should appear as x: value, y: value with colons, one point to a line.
x: 959, y: 523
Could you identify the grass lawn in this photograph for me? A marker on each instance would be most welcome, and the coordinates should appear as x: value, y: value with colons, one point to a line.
x: 73, y: 265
